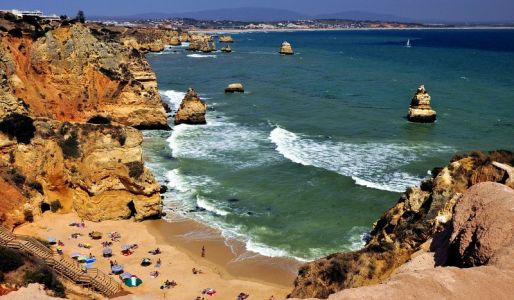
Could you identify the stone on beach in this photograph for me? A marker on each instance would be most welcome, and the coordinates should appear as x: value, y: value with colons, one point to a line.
x: 234, y: 87
x: 192, y: 109
x: 286, y: 49
x: 420, y: 110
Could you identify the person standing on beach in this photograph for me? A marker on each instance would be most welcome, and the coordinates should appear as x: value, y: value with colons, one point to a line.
x: 203, y: 251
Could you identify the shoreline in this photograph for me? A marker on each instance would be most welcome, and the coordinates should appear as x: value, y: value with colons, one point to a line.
x: 258, y: 276
x: 239, y: 31
x: 230, y: 256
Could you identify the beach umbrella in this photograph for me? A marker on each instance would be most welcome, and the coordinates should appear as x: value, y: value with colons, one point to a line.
x: 117, y: 269
x: 146, y: 262
x: 88, y: 265
x: 81, y: 258
x: 125, y: 248
x: 133, y: 281
x: 90, y: 260
x: 52, y: 240
x: 75, y: 255
x: 107, y: 252
x: 125, y: 275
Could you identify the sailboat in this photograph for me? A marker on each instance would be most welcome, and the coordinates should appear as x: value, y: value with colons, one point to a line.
x: 408, y: 45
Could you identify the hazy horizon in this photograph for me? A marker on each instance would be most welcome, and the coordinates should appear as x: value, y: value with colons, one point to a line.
x: 455, y: 11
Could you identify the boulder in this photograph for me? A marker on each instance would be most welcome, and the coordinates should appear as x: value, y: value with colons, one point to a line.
x: 226, y: 49
x: 483, y: 224
x: 192, y: 109
x: 226, y: 39
x: 420, y: 110
x: 234, y: 87
x: 286, y: 49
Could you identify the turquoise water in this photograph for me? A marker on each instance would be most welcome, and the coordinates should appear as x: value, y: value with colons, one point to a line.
x: 318, y: 146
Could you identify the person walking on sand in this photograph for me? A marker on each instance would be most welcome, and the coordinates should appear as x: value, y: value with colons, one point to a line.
x: 203, y: 251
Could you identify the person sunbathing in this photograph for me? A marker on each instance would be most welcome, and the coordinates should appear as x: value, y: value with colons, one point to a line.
x: 155, y: 252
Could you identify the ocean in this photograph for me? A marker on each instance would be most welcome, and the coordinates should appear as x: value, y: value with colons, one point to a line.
x: 318, y: 146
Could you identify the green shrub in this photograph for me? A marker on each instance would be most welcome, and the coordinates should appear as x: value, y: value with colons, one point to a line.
x: 55, y: 205
x: 70, y: 146
x: 44, y: 275
x: 136, y: 169
x: 18, y: 126
x: 10, y: 260
x: 35, y: 185
x: 29, y: 215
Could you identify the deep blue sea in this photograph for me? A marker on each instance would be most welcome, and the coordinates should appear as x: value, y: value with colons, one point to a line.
x: 318, y: 147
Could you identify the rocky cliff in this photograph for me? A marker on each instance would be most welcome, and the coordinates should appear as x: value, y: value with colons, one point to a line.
x: 480, y: 238
x: 68, y: 74
x: 69, y: 105
x: 144, y: 39
x: 422, y: 213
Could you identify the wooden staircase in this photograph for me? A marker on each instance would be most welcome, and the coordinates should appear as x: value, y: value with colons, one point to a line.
x: 66, y: 267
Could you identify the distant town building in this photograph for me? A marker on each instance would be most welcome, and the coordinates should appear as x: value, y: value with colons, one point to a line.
x: 30, y: 13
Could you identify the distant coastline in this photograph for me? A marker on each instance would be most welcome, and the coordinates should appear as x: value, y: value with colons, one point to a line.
x: 237, y: 31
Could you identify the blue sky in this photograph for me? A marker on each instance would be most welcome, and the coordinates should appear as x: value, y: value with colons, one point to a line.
x: 455, y: 10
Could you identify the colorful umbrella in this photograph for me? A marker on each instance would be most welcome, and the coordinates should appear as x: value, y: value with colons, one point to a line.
x: 52, y: 240
x: 107, y: 252
x: 125, y: 248
x: 117, y: 269
x: 81, y: 258
x: 133, y: 281
x: 75, y: 255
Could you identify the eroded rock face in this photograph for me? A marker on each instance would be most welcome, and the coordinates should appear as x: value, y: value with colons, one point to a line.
x: 96, y: 170
x: 53, y: 78
x: 420, y: 110
x: 226, y: 39
x: 419, y: 214
x: 286, y: 49
x: 201, y: 43
x: 483, y: 223
x: 68, y: 74
x: 192, y: 110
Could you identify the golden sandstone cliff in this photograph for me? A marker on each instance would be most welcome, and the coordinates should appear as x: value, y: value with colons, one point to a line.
x: 427, y: 220
x: 70, y: 103
x: 68, y: 74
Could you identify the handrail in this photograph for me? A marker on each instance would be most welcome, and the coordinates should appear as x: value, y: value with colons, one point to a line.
x: 63, y: 266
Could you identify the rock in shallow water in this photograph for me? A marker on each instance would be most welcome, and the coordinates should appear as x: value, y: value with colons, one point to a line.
x: 420, y: 110
x: 234, y: 87
x: 192, y: 109
x: 286, y: 49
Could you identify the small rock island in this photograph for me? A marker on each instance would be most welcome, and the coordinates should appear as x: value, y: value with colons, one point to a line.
x: 420, y: 110
x: 192, y: 109
x: 235, y: 88
x: 286, y: 49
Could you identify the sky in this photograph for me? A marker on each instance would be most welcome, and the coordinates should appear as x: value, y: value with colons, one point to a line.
x: 447, y: 10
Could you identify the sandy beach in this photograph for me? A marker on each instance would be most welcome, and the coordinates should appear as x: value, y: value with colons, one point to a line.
x: 224, y: 261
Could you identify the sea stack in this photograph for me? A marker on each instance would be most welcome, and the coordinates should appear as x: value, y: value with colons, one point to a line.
x: 420, y: 110
x: 226, y: 39
x: 234, y: 88
x: 226, y: 49
x: 286, y: 49
x: 192, y: 109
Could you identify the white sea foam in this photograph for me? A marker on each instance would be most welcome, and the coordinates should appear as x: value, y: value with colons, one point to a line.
x: 374, y: 165
x: 210, y: 207
x: 173, y: 98
x: 220, y: 141
x: 196, y: 55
